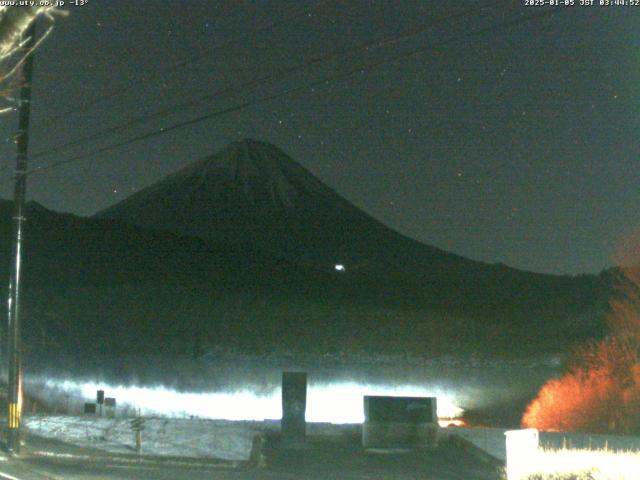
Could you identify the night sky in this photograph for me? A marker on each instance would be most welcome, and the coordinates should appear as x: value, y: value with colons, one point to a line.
x: 516, y: 144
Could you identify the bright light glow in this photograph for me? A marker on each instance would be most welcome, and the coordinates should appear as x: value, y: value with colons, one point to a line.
x: 339, y: 267
x: 343, y: 402
x: 332, y: 403
x: 452, y: 422
x: 238, y: 405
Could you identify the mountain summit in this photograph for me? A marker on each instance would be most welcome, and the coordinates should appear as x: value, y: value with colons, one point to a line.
x: 247, y: 178
x: 252, y: 193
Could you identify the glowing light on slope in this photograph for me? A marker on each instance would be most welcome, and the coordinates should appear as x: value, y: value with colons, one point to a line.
x: 452, y: 422
x: 333, y: 403
x: 238, y: 405
x: 343, y: 402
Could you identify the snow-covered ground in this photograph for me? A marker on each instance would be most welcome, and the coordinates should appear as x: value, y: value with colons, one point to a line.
x: 197, y: 438
x: 161, y: 436
x: 234, y: 440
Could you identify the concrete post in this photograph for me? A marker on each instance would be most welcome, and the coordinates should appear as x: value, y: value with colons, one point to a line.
x: 294, y: 404
x: 522, y: 448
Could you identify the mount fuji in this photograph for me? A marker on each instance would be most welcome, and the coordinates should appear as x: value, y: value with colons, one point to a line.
x: 252, y: 193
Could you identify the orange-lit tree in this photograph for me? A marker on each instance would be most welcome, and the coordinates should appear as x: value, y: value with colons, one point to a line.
x: 601, y: 390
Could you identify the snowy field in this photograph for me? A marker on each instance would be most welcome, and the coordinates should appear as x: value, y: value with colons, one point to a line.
x: 161, y: 436
x: 234, y: 440
x: 195, y: 438
x: 234, y: 387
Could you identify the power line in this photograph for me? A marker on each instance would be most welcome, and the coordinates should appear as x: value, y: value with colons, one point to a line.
x: 341, y: 76
x: 268, y: 98
x: 259, y: 80
x: 176, y: 66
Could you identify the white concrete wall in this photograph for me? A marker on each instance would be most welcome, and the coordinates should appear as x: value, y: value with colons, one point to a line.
x: 492, y: 440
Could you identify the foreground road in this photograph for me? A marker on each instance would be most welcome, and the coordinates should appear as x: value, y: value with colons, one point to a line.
x: 58, y: 469
x: 324, y: 459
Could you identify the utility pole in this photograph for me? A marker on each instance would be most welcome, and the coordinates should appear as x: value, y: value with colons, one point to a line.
x: 14, y: 390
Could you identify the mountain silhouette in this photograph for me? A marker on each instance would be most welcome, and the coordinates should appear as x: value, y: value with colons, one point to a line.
x: 253, y: 193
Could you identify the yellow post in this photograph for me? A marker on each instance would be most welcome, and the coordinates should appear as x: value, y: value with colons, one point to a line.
x: 14, y: 416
